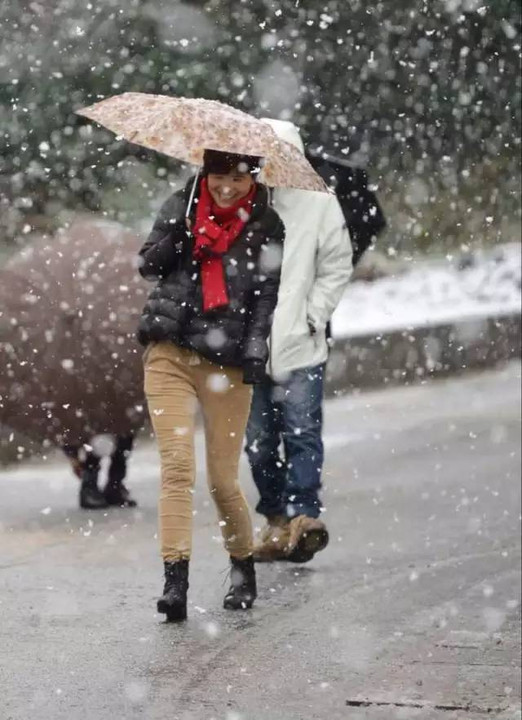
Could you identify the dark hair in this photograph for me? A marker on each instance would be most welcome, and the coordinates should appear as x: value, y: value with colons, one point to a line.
x: 222, y: 163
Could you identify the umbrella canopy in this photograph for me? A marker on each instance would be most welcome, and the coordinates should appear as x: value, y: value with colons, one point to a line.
x: 183, y: 128
x: 69, y: 307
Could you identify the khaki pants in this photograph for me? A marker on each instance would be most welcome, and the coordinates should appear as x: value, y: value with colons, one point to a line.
x: 175, y: 379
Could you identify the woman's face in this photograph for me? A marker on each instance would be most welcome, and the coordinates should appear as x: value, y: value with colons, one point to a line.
x: 227, y: 190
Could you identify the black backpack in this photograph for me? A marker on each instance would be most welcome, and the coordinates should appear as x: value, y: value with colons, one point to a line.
x: 362, y: 212
x: 364, y: 216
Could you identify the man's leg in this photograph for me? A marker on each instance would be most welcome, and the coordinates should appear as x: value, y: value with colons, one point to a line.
x: 269, y: 471
x: 263, y: 439
x: 302, y: 437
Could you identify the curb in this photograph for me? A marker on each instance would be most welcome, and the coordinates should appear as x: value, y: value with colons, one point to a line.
x: 415, y: 354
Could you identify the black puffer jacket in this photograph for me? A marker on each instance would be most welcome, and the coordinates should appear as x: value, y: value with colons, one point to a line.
x: 236, y: 334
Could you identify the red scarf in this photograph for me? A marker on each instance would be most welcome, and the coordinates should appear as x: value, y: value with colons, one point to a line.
x: 215, y: 230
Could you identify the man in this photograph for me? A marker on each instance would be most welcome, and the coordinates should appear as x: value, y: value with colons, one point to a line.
x: 287, y: 406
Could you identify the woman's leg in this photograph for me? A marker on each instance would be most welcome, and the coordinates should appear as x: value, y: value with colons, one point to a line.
x: 171, y: 397
x: 226, y: 405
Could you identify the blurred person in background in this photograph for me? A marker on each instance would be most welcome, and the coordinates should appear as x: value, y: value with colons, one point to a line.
x: 217, y: 265
x: 86, y: 465
x: 287, y: 405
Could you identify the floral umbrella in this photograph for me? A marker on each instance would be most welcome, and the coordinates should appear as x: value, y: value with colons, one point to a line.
x: 183, y: 128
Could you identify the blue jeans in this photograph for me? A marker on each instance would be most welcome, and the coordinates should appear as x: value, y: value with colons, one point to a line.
x: 289, y: 413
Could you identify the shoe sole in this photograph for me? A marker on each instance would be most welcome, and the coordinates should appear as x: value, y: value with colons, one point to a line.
x: 176, y: 613
x: 125, y: 505
x: 244, y: 606
x: 311, y: 543
x: 265, y: 559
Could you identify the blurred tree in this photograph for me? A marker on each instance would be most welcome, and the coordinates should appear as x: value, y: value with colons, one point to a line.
x: 61, y: 56
x: 427, y: 90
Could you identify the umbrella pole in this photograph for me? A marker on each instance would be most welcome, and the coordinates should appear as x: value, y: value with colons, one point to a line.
x: 192, y: 194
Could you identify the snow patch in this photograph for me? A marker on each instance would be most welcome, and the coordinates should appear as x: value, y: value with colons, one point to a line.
x: 435, y: 293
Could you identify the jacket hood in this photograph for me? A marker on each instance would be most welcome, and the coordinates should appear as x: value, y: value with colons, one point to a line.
x: 286, y: 131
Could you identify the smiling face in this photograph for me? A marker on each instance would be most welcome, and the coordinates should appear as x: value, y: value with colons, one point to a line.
x: 228, y: 189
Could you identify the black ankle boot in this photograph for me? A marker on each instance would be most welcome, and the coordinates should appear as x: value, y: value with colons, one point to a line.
x: 115, y: 491
x: 116, y: 494
x: 173, y: 604
x: 243, y: 590
x: 91, y: 497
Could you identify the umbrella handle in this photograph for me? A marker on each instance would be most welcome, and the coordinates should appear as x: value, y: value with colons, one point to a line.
x: 192, y: 194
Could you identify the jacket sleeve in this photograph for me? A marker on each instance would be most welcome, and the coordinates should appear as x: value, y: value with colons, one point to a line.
x: 163, y: 247
x: 265, y: 295
x: 333, y: 266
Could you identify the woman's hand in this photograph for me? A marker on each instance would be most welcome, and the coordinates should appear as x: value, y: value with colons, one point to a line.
x: 254, y: 372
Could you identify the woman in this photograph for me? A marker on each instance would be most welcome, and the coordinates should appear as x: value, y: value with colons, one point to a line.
x: 217, y: 262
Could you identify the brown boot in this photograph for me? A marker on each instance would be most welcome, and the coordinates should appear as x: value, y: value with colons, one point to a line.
x: 307, y: 536
x: 273, y: 540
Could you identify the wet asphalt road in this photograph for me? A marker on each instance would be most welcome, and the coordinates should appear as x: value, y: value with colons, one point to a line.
x: 415, y: 603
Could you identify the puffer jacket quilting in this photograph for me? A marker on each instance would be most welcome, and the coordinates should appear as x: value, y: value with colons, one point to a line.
x: 174, y: 310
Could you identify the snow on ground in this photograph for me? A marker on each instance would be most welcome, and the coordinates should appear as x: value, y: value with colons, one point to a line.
x: 433, y: 293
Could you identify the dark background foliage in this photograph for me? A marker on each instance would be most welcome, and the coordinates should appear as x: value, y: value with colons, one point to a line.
x: 426, y: 95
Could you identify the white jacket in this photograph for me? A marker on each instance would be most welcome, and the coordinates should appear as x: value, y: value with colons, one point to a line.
x: 317, y: 265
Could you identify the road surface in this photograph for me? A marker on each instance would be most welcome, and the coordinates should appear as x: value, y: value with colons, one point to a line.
x: 413, y: 612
